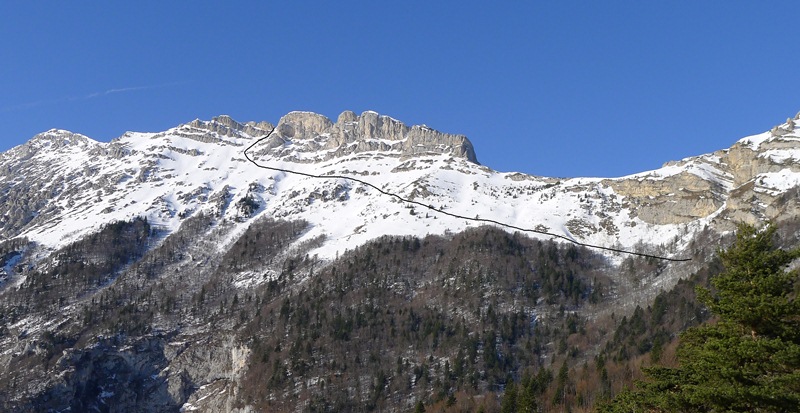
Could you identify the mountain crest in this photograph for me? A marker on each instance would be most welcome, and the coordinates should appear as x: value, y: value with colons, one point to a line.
x: 55, y: 139
x: 310, y: 137
x: 225, y: 125
x: 61, y: 185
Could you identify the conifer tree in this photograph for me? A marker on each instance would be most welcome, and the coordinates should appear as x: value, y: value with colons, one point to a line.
x: 561, y: 384
x: 748, y: 358
x: 526, y: 395
x: 509, y: 404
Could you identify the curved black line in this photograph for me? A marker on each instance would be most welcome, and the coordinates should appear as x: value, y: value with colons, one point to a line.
x: 431, y: 207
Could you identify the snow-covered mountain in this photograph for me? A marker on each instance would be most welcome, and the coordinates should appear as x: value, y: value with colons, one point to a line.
x: 60, y: 185
x: 230, y: 296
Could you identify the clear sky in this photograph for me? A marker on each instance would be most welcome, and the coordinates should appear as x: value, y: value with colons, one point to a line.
x: 552, y: 88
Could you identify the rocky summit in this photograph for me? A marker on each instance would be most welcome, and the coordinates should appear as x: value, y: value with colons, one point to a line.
x: 165, y: 271
x: 309, y: 137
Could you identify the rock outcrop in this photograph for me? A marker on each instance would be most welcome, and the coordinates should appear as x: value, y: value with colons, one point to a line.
x: 225, y: 125
x: 310, y: 137
x: 675, y: 199
x: 745, y: 183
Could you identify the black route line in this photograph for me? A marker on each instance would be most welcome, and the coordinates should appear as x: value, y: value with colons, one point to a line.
x: 431, y: 207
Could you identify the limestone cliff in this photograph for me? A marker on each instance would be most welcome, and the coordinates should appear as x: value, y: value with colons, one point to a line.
x: 310, y: 137
x: 744, y: 183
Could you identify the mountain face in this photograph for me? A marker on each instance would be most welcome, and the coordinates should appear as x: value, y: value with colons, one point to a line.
x: 169, y: 260
x: 61, y: 186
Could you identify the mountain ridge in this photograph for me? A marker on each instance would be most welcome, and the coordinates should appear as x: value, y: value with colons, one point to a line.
x: 166, y: 272
x: 203, y: 160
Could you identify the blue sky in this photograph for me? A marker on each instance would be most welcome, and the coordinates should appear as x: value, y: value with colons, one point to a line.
x: 569, y: 88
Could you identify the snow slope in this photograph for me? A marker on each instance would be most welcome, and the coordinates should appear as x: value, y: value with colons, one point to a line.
x: 74, y: 185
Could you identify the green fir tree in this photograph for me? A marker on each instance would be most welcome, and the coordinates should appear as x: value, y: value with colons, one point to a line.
x: 748, y: 358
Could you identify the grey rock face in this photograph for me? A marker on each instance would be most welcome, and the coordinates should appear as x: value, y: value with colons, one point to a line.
x: 301, y: 133
x: 731, y: 184
x: 303, y: 125
x: 225, y: 125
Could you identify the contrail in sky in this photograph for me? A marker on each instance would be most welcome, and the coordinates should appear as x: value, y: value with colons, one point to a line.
x: 87, y: 97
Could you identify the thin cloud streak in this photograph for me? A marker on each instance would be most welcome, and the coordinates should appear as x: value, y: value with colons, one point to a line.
x: 38, y: 103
